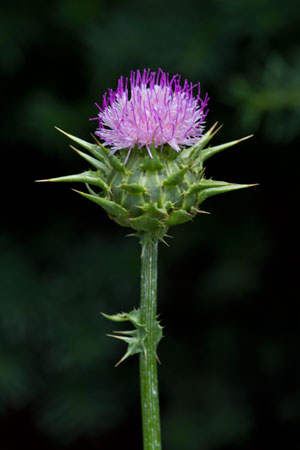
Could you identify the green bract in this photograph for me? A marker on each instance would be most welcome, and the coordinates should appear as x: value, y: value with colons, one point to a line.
x: 148, y: 194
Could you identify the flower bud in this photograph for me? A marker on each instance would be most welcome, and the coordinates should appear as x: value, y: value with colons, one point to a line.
x: 149, y: 168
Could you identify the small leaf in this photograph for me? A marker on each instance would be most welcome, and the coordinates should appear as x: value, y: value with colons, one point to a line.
x: 133, y: 316
x: 121, y: 317
x: 136, y: 339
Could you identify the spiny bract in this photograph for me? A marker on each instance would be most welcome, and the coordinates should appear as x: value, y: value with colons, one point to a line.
x: 150, y: 194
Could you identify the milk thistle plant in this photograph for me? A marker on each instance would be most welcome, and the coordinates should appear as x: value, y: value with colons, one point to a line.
x: 148, y: 174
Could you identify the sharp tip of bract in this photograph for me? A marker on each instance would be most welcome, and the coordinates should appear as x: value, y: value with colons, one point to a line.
x: 219, y: 128
x: 200, y: 211
x: 59, y: 129
x: 121, y: 360
x: 42, y: 181
x: 213, y: 131
x: 241, y: 186
x: 213, y: 127
x: 245, y: 138
x: 95, y: 139
x: 75, y: 149
x: 63, y: 132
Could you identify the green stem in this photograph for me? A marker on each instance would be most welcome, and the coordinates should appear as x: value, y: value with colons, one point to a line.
x: 148, y: 366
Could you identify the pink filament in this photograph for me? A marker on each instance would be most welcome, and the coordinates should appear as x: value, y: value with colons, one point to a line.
x: 156, y: 109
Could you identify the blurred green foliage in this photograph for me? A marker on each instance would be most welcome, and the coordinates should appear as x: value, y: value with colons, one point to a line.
x: 227, y: 289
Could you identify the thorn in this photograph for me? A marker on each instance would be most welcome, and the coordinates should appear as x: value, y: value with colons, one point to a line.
x: 119, y: 362
x: 122, y: 359
x: 125, y: 339
x: 164, y: 242
x: 75, y: 149
x: 126, y: 333
x: 245, y: 138
x: 213, y: 127
x: 99, y: 143
x: 200, y: 211
x: 61, y: 131
x: 217, y: 130
x: 131, y: 235
x: 95, y: 139
x: 114, y: 336
x: 157, y: 358
x: 42, y: 181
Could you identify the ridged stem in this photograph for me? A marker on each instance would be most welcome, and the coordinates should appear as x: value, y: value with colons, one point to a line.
x: 148, y: 365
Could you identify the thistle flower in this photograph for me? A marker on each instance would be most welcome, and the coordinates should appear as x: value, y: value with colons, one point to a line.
x: 158, y: 181
x: 157, y: 109
x: 149, y: 168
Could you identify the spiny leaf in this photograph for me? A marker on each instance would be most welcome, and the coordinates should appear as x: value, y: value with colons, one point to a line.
x: 133, y: 316
x: 89, y: 177
x: 221, y: 190
x: 93, y: 161
x: 92, y: 148
x: 210, y: 151
x: 112, y: 208
x: 84, y: 144
x: 205, y: 184
x: 203, y: 141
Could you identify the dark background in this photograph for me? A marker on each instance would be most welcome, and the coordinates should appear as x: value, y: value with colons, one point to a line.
x: 228, y: 282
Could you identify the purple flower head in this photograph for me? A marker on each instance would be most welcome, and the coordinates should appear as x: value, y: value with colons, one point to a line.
x: 154, y: 109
